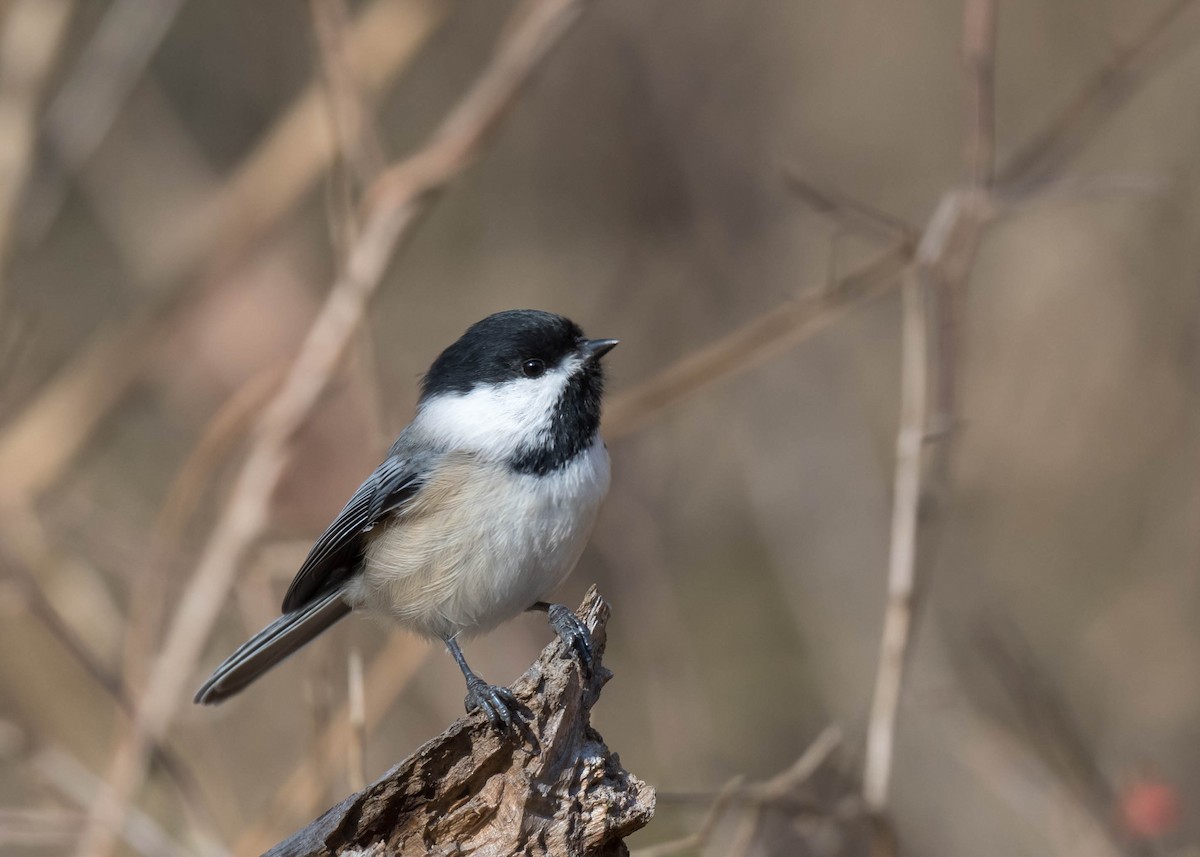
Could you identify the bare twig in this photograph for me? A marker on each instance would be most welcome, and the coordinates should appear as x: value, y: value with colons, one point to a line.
x: 1082, y: 189
x: 400, y: 197
x: 356, y: 746
x: 902, y: 558
x: 746, y: 832
x: 148, y: 602
x: 42, y: 608
x: 40, y: 441
x: 1021, y: 780
x: 367, y: 376
x: 755, y: 342
x: 929, y: 365
x: 380, y: 42
x: 28, y: 827
x: 854, y: 213
x: 32, y: 33
x: 1049, y: 725
x: 704, y: 832
x: 76, y: 783
x: 775, y: 791
x: 96, y: 88
x: 979, y: 57
x: 233, y: 419
x: 390, y: 672
x: 16, y: 340
x: 357, y: 140
x: 941, y: 270
x: 359, y: 158
x: 1070, y: 129
x: 20, y: 570
x: 813, y: 757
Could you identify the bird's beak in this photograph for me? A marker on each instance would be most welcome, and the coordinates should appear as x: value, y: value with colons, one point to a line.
x: 593, y: 349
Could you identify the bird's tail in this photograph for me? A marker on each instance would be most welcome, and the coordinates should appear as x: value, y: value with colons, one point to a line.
x: 270, y: 646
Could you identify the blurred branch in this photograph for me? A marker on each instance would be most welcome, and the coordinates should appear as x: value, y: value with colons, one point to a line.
x: 927, y: 422
x: 854, y: 213
x: 979, y: 58
x: 28, y: 827
x: 932, y: 320
x: 1035, y: 754
x: 398, y: 200
x: 369, y: 383
x: 16, y: 339
x: 700, y: 838
x: 359, y: 158
x: 261, y: 190
x: 943, y: 262
x: 356, y: 139
x: 472, y: 790
x: 379, y: 42
x: 32, y: 32
x: 38, y: 444
x: 783, y: 785
x: 67, y: 776
x: 931, y: 311
x: 1075, y: 189
x: 902, y: 558
x: 390, y: 672
x: 42, y: 607
x: 1054, y: 732
x: 776, y: 791
x: 96, y: 88
x: 755, y: 342
x: 778, y: 330
x: 1010, y: 770
x: 1073, y: 126
x: 356, y: 706
x: 778, y: 787
x: 217, y: 440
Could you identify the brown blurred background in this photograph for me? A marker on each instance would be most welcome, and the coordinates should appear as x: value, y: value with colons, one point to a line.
x: 173, y: 206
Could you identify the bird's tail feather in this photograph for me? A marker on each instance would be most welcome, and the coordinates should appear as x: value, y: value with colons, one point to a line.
x: 270, y: 646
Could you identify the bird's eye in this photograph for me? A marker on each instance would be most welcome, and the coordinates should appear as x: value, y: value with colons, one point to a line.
x: 533, y: 368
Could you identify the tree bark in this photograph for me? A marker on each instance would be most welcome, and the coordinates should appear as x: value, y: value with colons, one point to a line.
x: 471, y: 790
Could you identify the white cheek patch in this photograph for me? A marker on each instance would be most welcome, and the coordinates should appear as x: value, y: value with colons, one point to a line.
x: 495, y: 420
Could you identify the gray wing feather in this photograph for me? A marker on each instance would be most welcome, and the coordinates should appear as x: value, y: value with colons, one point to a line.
x: 337, y: 554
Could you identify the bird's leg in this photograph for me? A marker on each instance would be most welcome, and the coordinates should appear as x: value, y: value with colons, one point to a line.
x: 498, y: 703
x: 571, y: 631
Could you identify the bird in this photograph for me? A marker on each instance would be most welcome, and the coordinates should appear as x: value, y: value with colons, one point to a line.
x: 480, y: 510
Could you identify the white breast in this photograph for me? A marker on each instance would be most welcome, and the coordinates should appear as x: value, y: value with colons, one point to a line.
x: 482, y: 543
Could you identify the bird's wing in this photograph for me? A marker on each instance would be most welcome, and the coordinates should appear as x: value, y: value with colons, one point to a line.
x: 337, y: 554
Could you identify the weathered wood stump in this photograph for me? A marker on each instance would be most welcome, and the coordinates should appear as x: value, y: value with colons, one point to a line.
x: 472, y: 791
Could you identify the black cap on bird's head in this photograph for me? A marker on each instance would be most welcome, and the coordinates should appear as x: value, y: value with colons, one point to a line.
x: 519, y: 343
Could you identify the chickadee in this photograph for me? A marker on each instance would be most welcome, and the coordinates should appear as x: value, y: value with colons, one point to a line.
x: 481, y: 508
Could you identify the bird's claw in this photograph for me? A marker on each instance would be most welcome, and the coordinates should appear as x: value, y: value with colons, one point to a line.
x: 497, y: 703
x: 574, y: 633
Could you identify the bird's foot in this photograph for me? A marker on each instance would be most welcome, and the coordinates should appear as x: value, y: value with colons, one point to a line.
x: 497, y: 703
x: 574, y: 633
